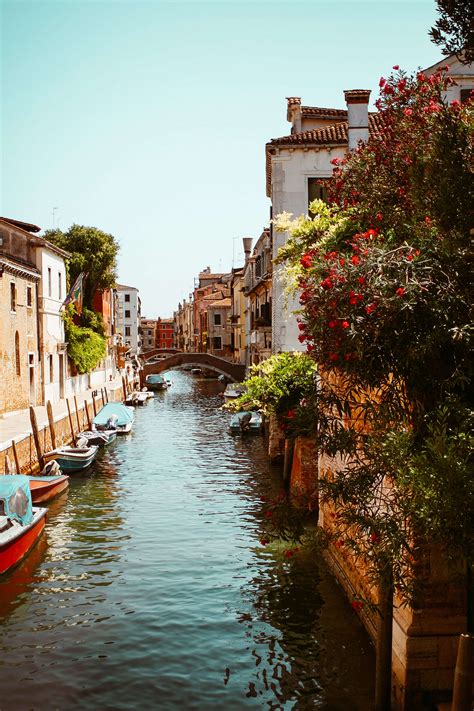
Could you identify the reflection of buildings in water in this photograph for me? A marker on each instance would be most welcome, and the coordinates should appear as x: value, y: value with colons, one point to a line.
x: 309, y: 646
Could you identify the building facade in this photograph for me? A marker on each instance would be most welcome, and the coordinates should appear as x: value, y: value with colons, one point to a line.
x: 165, y: 337
x: 297, y: 165
x: 258, y: 291
x: 148, y: 334
x: 128, y: 318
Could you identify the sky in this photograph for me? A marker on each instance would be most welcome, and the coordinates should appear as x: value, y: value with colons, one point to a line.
x: 149, y: 119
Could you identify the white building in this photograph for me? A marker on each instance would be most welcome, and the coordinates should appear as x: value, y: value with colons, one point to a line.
x: 463, y: 75
x: 52, y: 292
x: 296, y: 167
x: 128, y: 317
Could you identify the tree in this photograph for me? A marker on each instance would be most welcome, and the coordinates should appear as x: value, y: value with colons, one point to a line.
x: 93, y: 252
x: 454, y: 29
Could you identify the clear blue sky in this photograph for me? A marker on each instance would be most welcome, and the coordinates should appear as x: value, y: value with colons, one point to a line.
x: 149, y: 119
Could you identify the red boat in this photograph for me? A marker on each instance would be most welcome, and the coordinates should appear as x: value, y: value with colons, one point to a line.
x: 45, y: 488
x: 20, y: 524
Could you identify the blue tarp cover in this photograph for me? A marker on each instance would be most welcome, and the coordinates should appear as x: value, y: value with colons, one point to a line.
x: 16, y: 498
x: 124, y: 414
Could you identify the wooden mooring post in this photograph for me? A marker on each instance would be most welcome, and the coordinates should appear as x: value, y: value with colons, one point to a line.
x: 34, y: 427
x: 94, y: 406
x: 124, y: 388
x: 77, y: 414
x: 102, y: 396
x: 464, y: 674
x: 89, y: 421
x: 52, y: 430
x: 70, y: 420
x: 15, y: 456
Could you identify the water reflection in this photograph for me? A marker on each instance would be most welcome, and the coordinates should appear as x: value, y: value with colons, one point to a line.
x: 154, y: 588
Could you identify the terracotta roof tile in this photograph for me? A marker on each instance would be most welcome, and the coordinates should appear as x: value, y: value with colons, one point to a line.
x: 322, y: 113
x: 224, y: 303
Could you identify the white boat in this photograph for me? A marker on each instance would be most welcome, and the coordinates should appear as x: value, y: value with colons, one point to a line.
x: 137, y: 398
x: 233, y: 390
x: 243, y: 422
x: 100, y: 438
x: 73, y: 459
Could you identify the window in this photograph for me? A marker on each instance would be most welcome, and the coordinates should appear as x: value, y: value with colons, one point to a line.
x: 51, y: 369
x: 465, y: 95
x: 127, y: 314
x: 127, y: 331
x: 217, y: 343
x: 17, y: 353
x: 217, y: 319
x: 12, y: 296
x: 50, y: 286
x: 317, y: 190
x: 127, y: 297
x: 29, y: 296
x: 60, y: 286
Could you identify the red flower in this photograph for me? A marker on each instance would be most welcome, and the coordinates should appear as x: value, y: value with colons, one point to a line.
x: 410, y: 257
x: 379, y: 216
x: 357, y: 605
x: 382, y: 82
x: 333, y: 356
x: 370, y: 308
x: 374, y: 537
x: 301, y: 326
x: 396, y: 67
x: 428, y: 220
x: 332, y: 324
x: 400, y: 291
x: 302, y: 338
x: 264, y: 541
x: 408, y: 112
x: 345, y: 324
x: 291, y: 414
x: 306, y: 260
x: 309, y: 348
x: 361, y: 280
x: 355, y: 259
x: 268, y: 514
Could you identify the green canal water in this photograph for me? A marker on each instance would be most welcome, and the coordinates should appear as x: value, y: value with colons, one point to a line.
x: 151, y: 590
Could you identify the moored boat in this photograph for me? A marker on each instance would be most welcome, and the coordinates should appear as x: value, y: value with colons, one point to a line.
x: 137, y: 398
x: 233, y: 390
x: 156, y: 382
x: 243, y: 422
x: 115, y: 416
x: 101, y: 439
x: 45, y: 488
x: 21, y: 524
x: 73, y: 459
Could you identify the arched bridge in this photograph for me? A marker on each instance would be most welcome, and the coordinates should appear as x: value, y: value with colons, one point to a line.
x: 158, y: 351
x: 234, y: 371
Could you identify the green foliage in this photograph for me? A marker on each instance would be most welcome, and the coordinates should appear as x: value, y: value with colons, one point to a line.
x: 454, y: 28
x: 92, y: 251
x: 85, y: 348
x: 93, y: 320
x: 384, y: 282
x: 277, y: 385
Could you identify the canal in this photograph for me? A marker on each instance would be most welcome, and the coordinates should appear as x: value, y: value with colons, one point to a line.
x: 152, y: 589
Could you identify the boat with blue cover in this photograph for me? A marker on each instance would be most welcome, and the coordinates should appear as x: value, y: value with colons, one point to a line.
x: 21, y: 523
x: 115, y: 416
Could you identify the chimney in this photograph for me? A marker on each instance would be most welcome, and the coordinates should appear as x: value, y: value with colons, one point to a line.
x: 293, y: 113
x: 247, y: 241
x: 357, y: 101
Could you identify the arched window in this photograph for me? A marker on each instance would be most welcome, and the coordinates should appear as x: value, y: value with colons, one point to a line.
x: 17, y: 353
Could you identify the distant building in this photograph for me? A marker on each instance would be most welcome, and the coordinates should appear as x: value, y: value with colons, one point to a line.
x: 238, y: 330
x: 165, y: 337
x: 148, y: 333
x: 184, y: 325
x: 258, y: 290
x: 128, y: 317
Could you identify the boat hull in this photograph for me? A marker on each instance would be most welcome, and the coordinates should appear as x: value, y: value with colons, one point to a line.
x: 73, y: 461
x: 15, y: 549
x: 42, y: 490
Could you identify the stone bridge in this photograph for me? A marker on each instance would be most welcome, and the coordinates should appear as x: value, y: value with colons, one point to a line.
x: 234, y: 371
x: 158, y: 351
